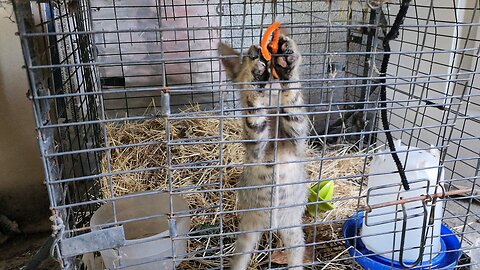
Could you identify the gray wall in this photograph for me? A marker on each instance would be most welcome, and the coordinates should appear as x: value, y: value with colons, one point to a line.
x: 199, y: 79
x: 23, y: 196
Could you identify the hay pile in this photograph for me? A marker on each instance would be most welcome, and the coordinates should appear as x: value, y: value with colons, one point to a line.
x: 204, y: 155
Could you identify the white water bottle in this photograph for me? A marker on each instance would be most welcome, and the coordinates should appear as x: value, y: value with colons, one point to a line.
x: 383, y: 238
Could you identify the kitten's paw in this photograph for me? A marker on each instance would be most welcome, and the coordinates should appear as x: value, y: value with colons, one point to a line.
x: 288, y: 60
x: 259, y: 67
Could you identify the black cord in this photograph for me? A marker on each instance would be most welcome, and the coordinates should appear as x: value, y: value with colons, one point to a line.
x: 391, y: 35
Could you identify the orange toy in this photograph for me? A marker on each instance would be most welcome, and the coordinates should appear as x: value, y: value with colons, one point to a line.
x: 272, y: 47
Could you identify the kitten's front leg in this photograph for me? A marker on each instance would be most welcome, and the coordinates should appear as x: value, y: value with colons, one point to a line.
x: 287, y: 65
x: 254, y: 101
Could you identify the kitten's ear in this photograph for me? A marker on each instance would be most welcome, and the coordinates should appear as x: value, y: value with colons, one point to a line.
x: 231, y: 59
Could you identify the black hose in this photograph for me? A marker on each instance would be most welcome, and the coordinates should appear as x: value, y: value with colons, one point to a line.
x: 391, y: 35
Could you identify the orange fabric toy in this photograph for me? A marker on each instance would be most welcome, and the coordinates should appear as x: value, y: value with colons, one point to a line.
x: 272, y: 47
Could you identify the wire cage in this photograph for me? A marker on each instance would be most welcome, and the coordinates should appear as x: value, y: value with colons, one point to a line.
x: 131, y: 100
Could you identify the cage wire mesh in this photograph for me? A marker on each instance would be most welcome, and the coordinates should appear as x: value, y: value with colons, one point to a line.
x: 131, y: 101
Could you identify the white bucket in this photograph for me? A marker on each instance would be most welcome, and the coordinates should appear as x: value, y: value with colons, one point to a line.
x: 145, y: 239
x: 382, y: 236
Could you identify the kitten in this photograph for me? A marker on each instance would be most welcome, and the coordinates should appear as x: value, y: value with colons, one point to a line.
x: 289, y: 194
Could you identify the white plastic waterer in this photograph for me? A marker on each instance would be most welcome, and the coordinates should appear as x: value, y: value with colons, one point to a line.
x: 378, y: 237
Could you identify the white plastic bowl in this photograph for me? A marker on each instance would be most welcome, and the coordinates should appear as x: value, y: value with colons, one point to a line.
x: 147, y: 245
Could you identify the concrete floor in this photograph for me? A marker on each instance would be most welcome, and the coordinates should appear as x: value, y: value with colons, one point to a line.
x: 19, y: 250
x: 455, y: 218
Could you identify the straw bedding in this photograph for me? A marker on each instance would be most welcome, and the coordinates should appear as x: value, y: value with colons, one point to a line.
x: 200, y: 183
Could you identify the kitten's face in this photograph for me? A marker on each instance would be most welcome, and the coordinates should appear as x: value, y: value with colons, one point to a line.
x: 253, y: 68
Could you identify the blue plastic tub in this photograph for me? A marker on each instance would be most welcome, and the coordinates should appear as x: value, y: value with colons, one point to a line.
x: 446, y: 259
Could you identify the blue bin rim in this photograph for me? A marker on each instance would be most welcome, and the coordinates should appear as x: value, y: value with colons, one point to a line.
x: 446, y: 259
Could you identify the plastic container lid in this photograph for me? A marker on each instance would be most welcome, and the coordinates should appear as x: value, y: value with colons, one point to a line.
x: 325, y: 194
